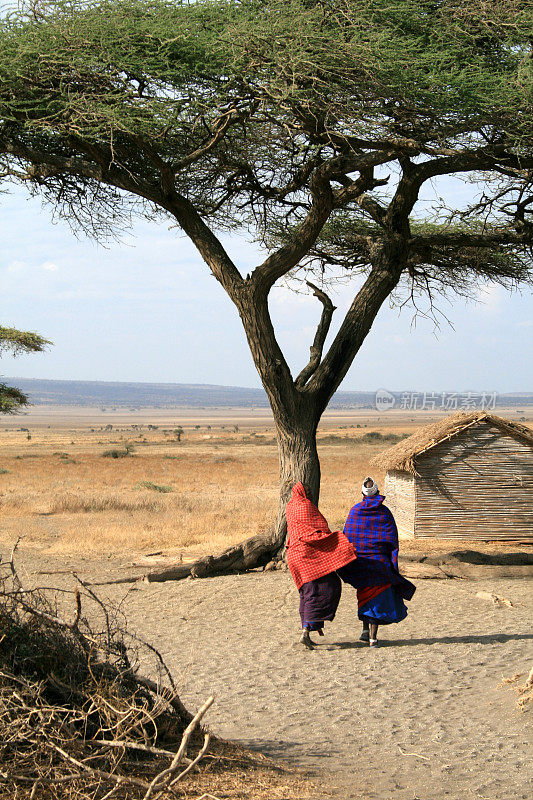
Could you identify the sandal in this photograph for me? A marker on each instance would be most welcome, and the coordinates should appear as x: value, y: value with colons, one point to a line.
x: 306, y: 640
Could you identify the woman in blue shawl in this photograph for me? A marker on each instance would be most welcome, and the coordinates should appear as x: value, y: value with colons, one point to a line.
x: 381, y: 589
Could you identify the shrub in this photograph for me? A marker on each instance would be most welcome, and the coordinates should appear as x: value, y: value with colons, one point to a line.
x: 116, y: 453
x: 155, y: 487
x: 389, y: 438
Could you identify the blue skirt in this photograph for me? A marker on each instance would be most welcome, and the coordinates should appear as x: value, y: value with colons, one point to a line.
x: 384, y: 609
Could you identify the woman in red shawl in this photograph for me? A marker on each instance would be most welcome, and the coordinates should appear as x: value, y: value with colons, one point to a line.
x: 313, y: 554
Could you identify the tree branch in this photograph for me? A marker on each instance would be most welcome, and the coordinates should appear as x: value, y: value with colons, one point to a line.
x: 464, y: 239
x: 324, y: 201
x: 99, y: 167
x: 42, y: 165
x: 485, y: 158
x: 208, y: 245
x: 381, y: 281
x: 374, y: 209
x: 320, y: 336
x: 288, y: 256
x: 356, y: 190
x: 223, y: 123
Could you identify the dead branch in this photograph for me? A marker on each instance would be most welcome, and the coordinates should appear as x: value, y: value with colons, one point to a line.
x: 125, y: 745
x: 107, y: 776
x: 166, y: 775
x: 194, y: 762
x: 320, y: 336
x: 74, y: 705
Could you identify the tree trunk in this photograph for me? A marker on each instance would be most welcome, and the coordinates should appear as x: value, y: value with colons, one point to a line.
x: 297, y: 411
x: 298, y: 460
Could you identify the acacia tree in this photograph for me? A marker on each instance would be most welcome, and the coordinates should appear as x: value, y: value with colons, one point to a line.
x: 313, y: 127
x: 16, y: 342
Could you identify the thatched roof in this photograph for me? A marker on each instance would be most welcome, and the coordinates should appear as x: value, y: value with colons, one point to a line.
x: 404, y: 454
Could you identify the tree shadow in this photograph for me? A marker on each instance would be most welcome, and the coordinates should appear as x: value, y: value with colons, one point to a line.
x: 489, y: 638
x: 289, y: 749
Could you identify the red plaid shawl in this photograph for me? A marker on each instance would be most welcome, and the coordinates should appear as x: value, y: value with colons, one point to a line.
x: 312, y: 549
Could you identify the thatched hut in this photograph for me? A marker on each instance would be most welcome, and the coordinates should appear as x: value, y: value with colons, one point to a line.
x: 468, y: 476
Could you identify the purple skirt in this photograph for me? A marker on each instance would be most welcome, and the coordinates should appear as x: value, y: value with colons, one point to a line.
x: 319, y: 600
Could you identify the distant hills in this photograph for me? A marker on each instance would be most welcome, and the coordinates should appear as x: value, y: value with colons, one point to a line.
x: 109, y: 394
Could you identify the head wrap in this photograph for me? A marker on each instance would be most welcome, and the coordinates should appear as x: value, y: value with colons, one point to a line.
x: 369, y: 491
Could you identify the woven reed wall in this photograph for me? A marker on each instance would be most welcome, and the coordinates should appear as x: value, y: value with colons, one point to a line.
x: 400, y: 498
x: 476, y: 485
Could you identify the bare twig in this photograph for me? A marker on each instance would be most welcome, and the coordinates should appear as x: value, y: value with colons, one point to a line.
x: 416, y: 755
x: 166, y: 775
x: 156, y: 751
x: 108, y: 776
x: 90, y: 709
x: 194, y: 761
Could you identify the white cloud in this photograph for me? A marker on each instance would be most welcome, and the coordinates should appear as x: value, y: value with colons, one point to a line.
x: 17, y: 266
x: 50, y: 266
x: 527, y: 323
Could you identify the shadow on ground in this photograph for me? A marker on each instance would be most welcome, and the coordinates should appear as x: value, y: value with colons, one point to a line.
x: 482, y: 639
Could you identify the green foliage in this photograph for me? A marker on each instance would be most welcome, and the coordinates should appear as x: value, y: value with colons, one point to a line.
x: 373, y: 437
x: 448, y: 256
x: 311, y: 125
x: 16, y: 342
x: 155, y: 487
x: 106, y: 71
x: 116, y: 453
x: 11, y: 399
x: 409, y: 59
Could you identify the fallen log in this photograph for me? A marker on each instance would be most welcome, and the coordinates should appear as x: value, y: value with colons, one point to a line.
x: 254, y: 552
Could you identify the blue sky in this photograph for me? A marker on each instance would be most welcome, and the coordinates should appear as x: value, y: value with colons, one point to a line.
x: 147, y: 309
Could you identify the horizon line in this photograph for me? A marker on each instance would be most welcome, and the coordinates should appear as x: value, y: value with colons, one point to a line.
x: 257, y: 388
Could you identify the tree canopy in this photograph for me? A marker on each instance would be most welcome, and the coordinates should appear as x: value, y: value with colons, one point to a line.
x: 16, y: 342
x: 312, y: 126
x: 241, y: 106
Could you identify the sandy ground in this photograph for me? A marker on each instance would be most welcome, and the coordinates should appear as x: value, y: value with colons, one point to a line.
x: 421, y: 718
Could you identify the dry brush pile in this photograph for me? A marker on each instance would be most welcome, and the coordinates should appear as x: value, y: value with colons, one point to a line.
x: 77, y: 720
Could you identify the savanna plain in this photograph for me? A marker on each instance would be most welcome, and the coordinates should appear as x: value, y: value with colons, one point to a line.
x: 109, y: 494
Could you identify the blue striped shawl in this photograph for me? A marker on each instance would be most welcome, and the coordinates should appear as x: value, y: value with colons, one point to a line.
x: 371, y: 529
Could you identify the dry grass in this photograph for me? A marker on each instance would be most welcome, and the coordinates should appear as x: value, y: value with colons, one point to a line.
x: 67, y: 497
x: 60, y: 493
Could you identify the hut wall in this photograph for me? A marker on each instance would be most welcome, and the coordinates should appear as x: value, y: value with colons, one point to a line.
x: 476, y: 485
x: 400, y: 498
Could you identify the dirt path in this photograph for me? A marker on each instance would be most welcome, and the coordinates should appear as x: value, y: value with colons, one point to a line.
x: 421, y: 718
